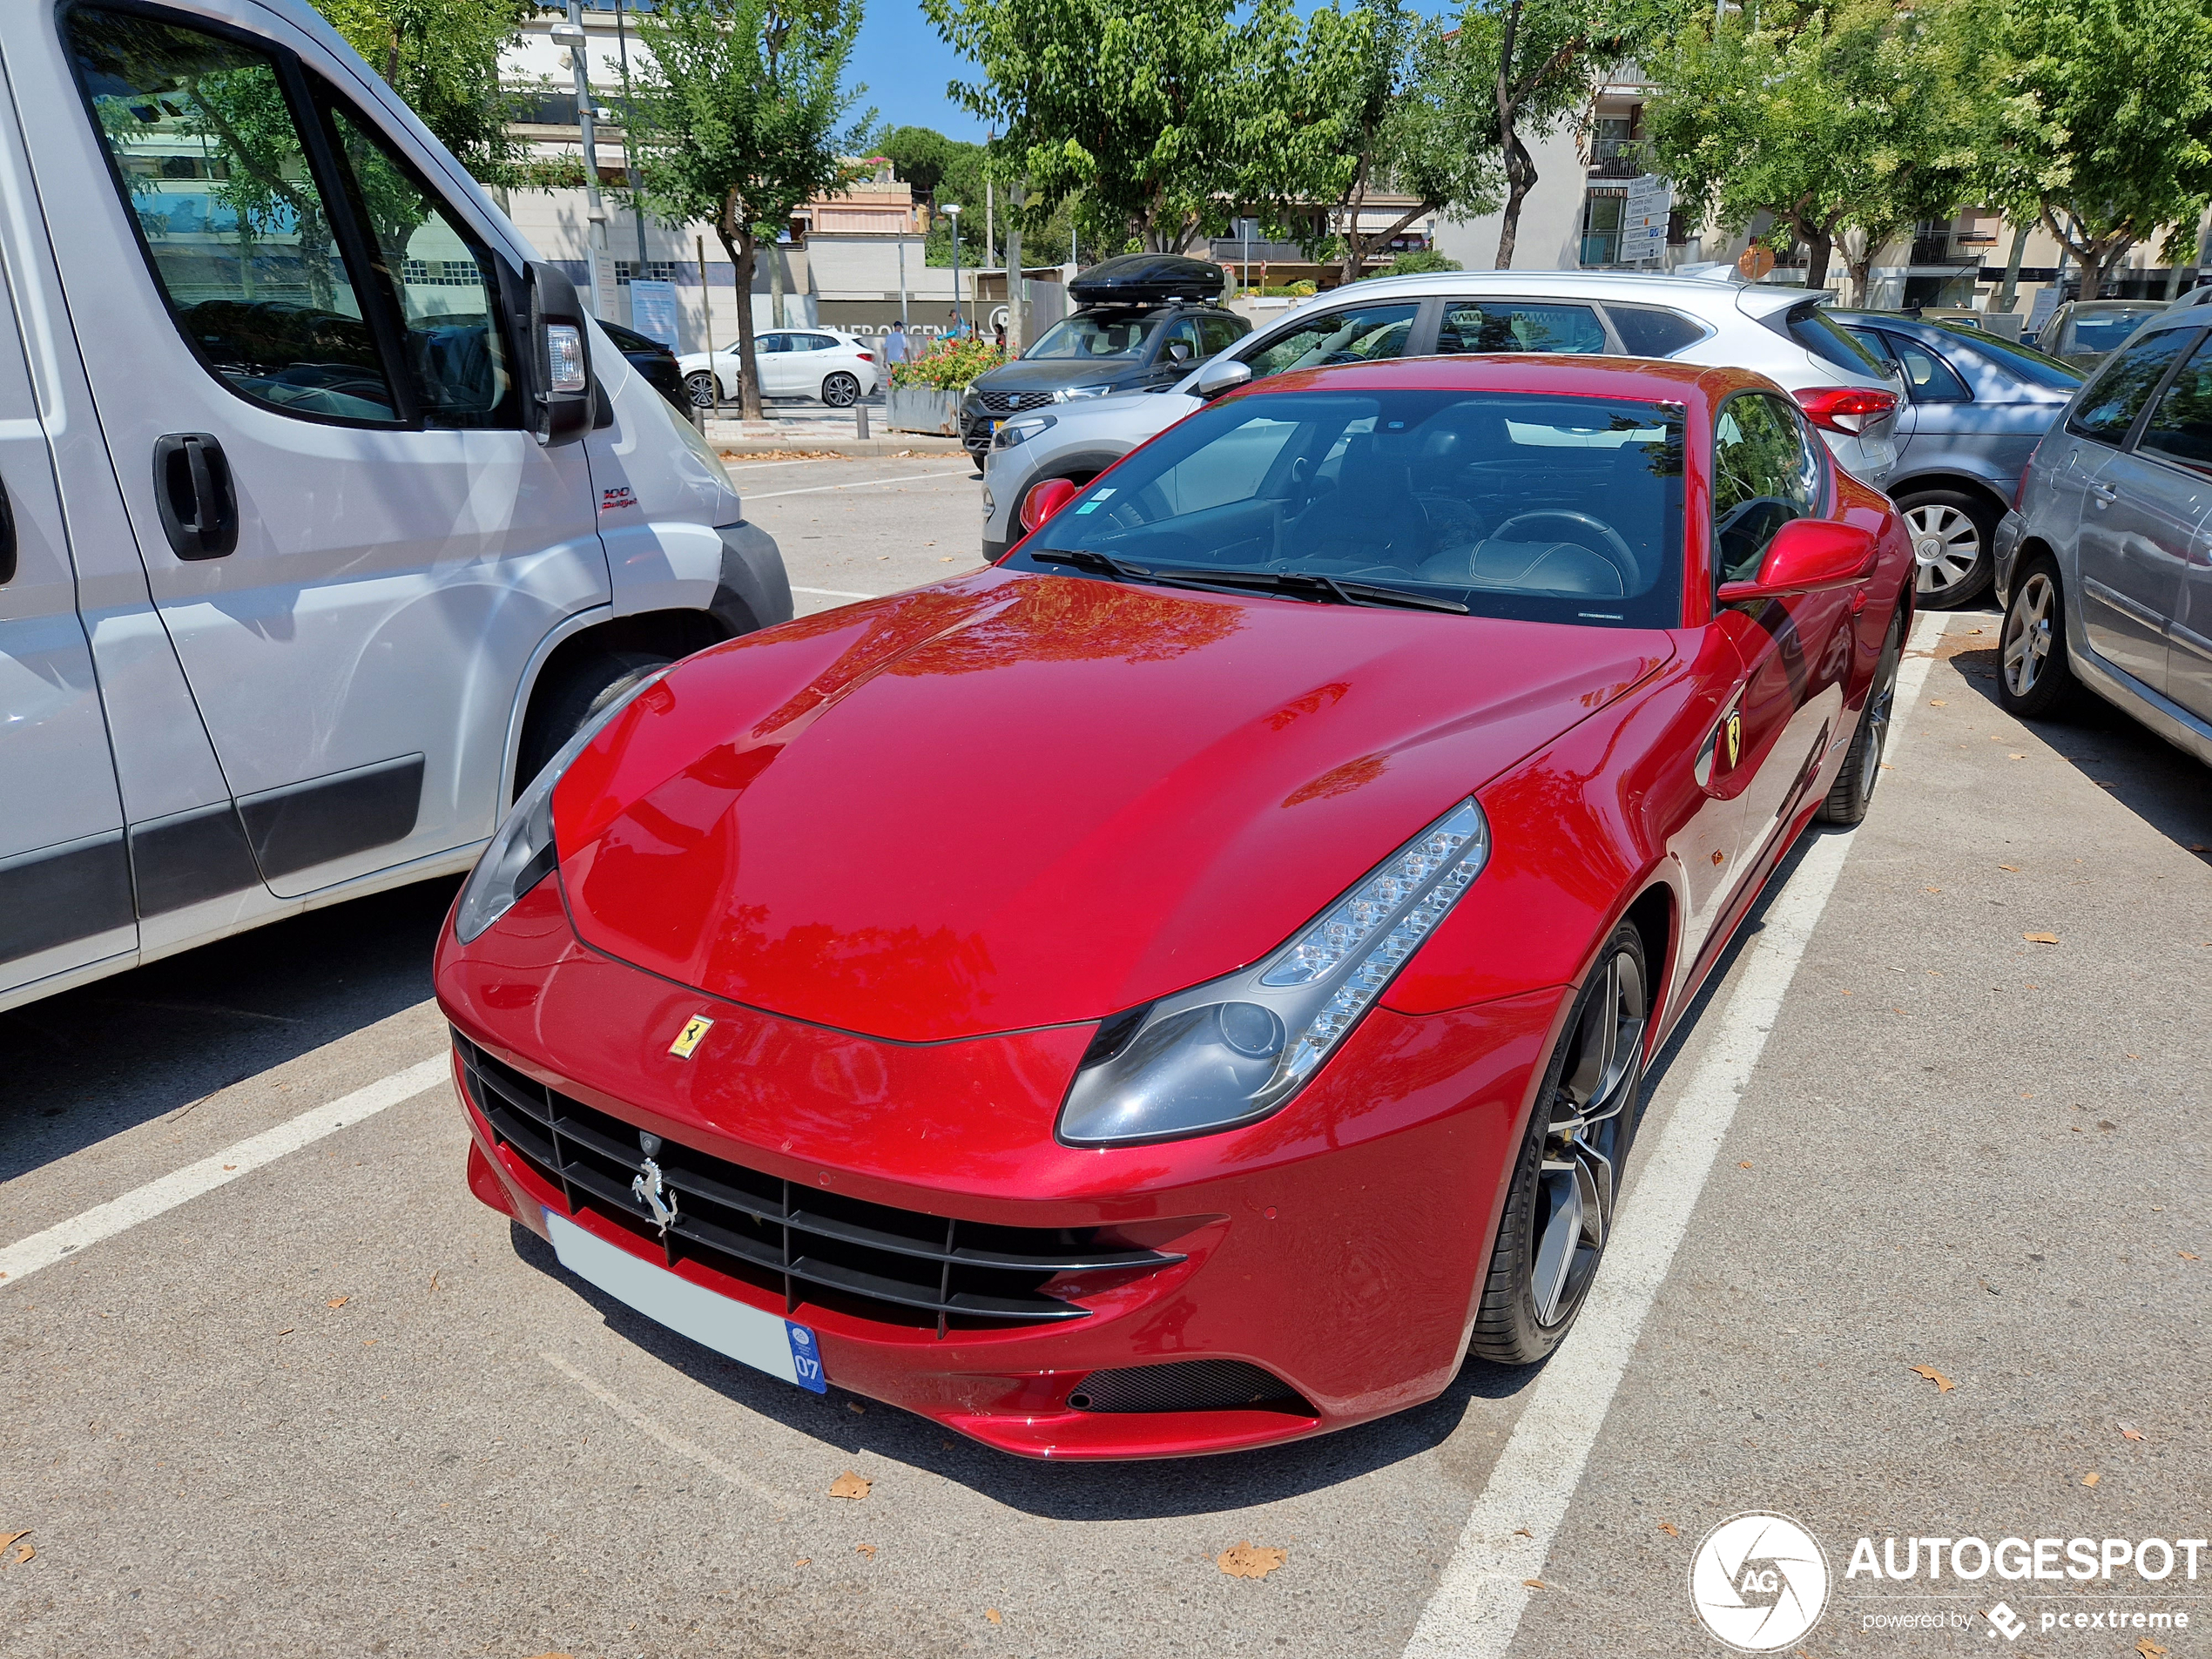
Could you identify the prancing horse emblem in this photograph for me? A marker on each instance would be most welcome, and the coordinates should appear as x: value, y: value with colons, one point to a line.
x: 651, y: 1190
x: 1735, y: 736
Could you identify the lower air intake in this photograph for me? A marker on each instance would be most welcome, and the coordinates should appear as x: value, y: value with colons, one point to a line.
x: 1188, y: 1385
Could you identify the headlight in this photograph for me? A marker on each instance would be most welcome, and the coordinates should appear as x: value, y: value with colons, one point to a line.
x: 1067, y: 393
x: 1022, y: 431
x: 1228, y: 1053
x: 522, y: 854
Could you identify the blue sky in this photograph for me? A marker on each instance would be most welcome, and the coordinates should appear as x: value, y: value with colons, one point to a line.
x: 905, y: 67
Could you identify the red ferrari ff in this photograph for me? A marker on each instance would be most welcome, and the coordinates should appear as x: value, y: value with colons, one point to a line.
x: 1186, y: 986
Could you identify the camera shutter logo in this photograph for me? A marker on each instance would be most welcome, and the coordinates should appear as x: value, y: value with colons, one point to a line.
x: 1759, y: 1582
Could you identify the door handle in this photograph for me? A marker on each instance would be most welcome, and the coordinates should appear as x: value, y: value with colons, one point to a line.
x: 2106, y: 493
x: 192, y: 490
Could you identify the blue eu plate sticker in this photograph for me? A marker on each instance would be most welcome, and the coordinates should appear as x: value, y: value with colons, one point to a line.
x: 806, y: 1359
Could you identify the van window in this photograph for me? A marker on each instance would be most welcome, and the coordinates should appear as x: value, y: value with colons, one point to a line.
x: 444, y: 280
x: 213, y: 170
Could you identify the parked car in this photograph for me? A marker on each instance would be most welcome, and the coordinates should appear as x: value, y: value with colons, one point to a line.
x: 822, y: 363
x: 321, y: 535
x: 1976, y: 405
x: 1146, y: 321
x: 1377, y: 762
x: 2200, y: 295
x: 2105, y: 567
x: 1849, y: 393
x: 2085, y: 331
x: 656, y: 361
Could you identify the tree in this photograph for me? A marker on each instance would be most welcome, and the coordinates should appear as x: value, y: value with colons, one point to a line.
x: 1826, y: 119
x: 1541, y: 57
x: 740, y: 114
x: 443, y: 57
x: 2102, y: 125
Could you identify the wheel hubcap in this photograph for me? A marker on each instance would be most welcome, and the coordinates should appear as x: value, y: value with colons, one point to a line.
x: 1590, y: 1115
x: 2027, y: 634
x: 1945, y: 545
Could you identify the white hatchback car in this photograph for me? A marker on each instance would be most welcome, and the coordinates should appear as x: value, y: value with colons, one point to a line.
x: 794, y: 362
x: 1850, y: 396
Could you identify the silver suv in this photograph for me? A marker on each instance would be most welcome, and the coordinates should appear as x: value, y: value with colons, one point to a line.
x: 1848, y: 393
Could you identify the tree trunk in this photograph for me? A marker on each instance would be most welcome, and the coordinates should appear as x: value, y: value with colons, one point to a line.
x: 1862, y: 277
x: 1818, y: 245
x: 736, y: 242
x: 1520, y: 169
x: 1013, y: 284
x: 2008, y: 298
x: 776, y: 318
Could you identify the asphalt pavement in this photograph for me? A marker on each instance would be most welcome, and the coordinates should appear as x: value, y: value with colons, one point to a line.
x: 333, y: 1405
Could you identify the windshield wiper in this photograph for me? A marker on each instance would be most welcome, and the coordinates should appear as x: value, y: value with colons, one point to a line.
x: 1308, y: 584
x: 1096, y: 563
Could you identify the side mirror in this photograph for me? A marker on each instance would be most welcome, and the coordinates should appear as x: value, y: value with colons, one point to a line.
x: 1221, y: 375
x: 1807, y: 556
x: 1045, y: 500
x: 555, y: 361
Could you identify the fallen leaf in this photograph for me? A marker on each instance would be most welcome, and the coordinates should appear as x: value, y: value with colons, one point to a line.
x: 1522, y: 1532
x: 1247, y: 1560
x: 1932, y: 889
x: 23, y: 1553
x: 2130, y: 1434
x: 2040, y: 939
x: 1944, y: 1385
x: 338, y: 1301
x: 2150, y: 1649
x: 2191, y: 1256
x: 287, y: 1330
x: 2016, y: 757
x: 2091, y: 1479
x: 434, y: 1281
x: 1535, y: 1583
x: 850, y: 1485
x: 1938, y: 703
x: 867, y: 1550
x: 856, y: 1408
x: 1851, y: 993
x: 8, y: 1538
x: 230, y: 1166
x: 1670, y: 1529
x: 1743, y: 1163
x: 992, y: 1613
x: 804, y: 1561
x: 2015, y: 868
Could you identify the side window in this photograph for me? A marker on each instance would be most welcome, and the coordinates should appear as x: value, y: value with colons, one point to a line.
x: 1515, y: 325
x: 1363, y: 335
x: 1648, y: 333
x: 215, y: 169
x: 1763, y: 477
x: 1933, y: 380
x: 815, y: 342
x: 1180, y: 346
x: 1220, y: 334
x: 445, y: 282
x: 2181, y: 426
x: 762, y: 344
x: 2105, y: 408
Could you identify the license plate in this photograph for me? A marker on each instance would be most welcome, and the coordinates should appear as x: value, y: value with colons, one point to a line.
x: 749, y: 1335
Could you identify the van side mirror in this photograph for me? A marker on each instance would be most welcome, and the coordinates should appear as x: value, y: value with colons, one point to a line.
x: 556, y: 357
x: 1807, y: 556
x: 1219, y: 376
x: 1044, y: 500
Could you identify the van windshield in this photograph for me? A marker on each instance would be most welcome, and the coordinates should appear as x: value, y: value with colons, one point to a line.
x: 1095, y: 337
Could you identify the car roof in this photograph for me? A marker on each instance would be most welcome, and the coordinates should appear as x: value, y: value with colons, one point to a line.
x: 1554, y: 373
x: 2162, y: 320
x: 1694, y: 292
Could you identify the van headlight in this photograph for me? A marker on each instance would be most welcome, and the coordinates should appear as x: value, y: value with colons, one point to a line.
x: 1229, y: 1052
x: 522, y: 852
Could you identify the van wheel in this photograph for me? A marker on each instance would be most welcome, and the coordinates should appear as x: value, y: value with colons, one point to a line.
x: 559, y: 711
x: 840, y: 391
x: 699, y: 388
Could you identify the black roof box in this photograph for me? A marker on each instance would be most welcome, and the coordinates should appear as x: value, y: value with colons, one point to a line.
x: 1148, y: 279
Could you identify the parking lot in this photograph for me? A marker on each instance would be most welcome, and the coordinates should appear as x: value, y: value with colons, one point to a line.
x: 1914, y: 1246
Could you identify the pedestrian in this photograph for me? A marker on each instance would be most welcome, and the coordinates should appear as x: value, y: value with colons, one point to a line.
x: 895, y: 349
x: 1000, y: 332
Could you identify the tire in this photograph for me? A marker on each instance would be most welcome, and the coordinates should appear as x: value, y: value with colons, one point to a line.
x: 699, y: 387
x: 2034, y: 675
x: 558, y: 712
x: 1954, y: 542
x: 1559, y: 1212
x: 1853, y: 790
x: 841, y: 391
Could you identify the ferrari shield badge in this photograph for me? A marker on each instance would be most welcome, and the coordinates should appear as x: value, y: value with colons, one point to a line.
x: 1734, y: 732
x: 688, y: 1039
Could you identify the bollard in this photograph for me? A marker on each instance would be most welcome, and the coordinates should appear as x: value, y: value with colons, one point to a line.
x: 859, y: 420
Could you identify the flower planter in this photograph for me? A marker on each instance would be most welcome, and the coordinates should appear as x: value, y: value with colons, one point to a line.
x: 922, y: 409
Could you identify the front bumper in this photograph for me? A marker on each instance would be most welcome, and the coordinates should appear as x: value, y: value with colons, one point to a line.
x: 1336, y: 1246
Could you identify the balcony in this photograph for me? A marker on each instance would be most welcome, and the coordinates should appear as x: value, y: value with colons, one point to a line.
x: 1936, y: 248
x: 1619, y: 157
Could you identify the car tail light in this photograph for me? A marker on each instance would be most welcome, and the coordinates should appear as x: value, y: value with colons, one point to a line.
x: 1845, y: 409
x: 866, y: 357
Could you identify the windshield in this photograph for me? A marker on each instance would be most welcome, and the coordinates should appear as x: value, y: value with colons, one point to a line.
x: 1095, y: 337
x: 2105, y: 330
x: 2031, y: 365
x: 1538, y: 509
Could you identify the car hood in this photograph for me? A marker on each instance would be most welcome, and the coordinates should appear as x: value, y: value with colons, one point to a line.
x: 1050, y: 374
x: 1016, y: 800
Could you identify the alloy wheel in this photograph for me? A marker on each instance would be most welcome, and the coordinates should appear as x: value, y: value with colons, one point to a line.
x: 840, y: 391
x: 701, y: 389
x: 1946, y: 545
x: 1592, y: 1111
x: 2026, y: 641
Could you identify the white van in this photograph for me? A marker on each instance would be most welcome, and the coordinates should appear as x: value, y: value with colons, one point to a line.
x: 328, y: 514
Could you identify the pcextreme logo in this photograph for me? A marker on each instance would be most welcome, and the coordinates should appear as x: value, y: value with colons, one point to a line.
x: 1759, y: 1581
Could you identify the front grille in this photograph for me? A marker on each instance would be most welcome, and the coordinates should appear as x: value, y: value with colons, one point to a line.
x: 1013, y: 402
x: 898, y: 1267
x: 1187, y: 1385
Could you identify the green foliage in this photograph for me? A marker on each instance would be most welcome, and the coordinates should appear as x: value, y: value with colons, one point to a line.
x: 1419, y: 262
x: 2098, y: 119
x: 951, y: 365
x: 740, y: 114
x: 443, y: 57
x: 1841, y: 118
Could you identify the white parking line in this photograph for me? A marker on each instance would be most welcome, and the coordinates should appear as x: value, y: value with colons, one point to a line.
x: 674, y: 1442
x: 20, y: 1260
x: 1479, y: 1601
x: 832, y: 593
x: 864, y: 483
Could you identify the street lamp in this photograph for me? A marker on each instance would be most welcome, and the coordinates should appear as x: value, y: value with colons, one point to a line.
x: 951, y: 211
